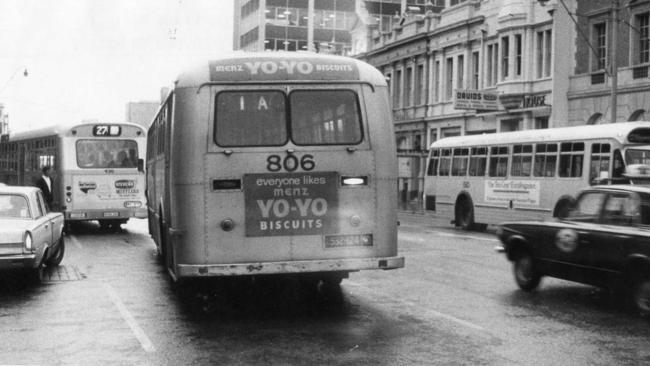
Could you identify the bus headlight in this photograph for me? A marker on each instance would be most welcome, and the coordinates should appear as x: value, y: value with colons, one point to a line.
x: 227, y: 225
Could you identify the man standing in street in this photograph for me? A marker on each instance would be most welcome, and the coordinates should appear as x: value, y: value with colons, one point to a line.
x: 45, y: 184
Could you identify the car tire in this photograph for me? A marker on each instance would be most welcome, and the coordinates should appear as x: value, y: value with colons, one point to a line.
x: 56, y: 257
x: 526, y: 274
x: 641, y: 297
x: 34, y: 275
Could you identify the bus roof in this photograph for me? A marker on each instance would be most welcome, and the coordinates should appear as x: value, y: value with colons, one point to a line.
x: 618, y: 131
x: 62, y: 129
x: 280, y: 66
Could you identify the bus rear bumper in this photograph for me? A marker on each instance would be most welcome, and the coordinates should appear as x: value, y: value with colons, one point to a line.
x: 261, y: 268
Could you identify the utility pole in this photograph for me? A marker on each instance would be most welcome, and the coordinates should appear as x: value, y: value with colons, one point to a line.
x: 310, y: 26
x: 613, y: 63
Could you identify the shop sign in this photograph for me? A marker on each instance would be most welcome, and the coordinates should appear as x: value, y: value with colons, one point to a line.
x: 475, y: 99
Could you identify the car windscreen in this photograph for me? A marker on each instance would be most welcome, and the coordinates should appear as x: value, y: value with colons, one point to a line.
x: 102, y: 154
x: 588, y: 206
x: 14, y: 206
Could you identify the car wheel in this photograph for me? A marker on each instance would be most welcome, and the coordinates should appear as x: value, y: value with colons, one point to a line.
x: 35, y: 275
x: 641, y: 297
x: 56, y: 258
x: 526, y: 275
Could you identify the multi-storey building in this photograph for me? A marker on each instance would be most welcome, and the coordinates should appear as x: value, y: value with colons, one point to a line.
x: 594, y: 81
x: 469, y: 67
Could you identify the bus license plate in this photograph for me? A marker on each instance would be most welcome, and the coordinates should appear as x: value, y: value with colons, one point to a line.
x: 341, y: 241
x: 111, y: 214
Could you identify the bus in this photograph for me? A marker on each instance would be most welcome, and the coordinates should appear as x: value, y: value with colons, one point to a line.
x: 485, y: 179
x: 97, y: 169
x: 274, y: 163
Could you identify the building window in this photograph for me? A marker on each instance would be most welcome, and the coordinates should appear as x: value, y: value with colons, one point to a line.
x: 600, y: 45
x: 510, y: 125
x: 408, y: 87
x: 541, y: 123
x: 505, y: 57
x: 420, y: 84
x: 492, y: 62
x: 476, y: 67
x: 436, y: 81
x: 456, y: 2
x: 397, y: 89
x: 460, y: 67
x: 449, y: 90
x: 543, y: 51
x: 643, y: 27
x: 518, y: 54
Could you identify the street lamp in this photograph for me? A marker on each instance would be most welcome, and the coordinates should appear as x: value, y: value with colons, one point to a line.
x: 613, y: 67
x: 13, y: 75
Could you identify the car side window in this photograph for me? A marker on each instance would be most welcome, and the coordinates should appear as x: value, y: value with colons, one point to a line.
x: 39, y: 205
x: 587, y: 209
x: 622, y: 209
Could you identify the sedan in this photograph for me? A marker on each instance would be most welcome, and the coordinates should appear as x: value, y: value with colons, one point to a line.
x: 30, y: 236
x: 604, y: 242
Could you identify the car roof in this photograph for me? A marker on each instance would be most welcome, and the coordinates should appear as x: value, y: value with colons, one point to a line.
x: 640, y: 188
x: 16, y: 189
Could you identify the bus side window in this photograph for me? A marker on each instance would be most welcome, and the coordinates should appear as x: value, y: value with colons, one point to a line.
x: 599, y: 167
x: 445, y: 162
x: 619, y: 165
x: 432, y: 169
x: 571, y: 159
x: 522, y: 156
x: 498, y: 161
x: 478, y: 161
x: 459, y: 162
x: 545, y: 160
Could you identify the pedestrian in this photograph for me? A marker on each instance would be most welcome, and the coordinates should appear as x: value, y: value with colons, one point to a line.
x: 45, y: 184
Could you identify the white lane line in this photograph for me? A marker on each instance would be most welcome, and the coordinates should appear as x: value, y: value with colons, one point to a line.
x: 462, y: 236
x: 75, y: 242
x: 145, y: 342
x: 421, y: 309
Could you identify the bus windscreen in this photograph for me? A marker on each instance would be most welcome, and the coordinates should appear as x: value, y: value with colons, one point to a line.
x: 103, y: 154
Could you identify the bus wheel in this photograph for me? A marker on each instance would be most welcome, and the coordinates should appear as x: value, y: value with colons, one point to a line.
x: 526, y: 274
x: 56, y: 258
x: 465, y: 215
x: 562, y: 208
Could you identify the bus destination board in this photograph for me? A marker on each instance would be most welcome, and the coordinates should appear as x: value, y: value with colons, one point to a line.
x: 273, y: 69
x: 291, y: 204
x: 107, y: 130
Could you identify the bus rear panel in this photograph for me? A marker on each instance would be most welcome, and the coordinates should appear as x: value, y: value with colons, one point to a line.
x: 284, y: 175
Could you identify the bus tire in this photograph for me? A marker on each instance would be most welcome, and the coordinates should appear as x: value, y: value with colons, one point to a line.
x: 465, y: 213
x: 162, y: 242
x: 563, y: 207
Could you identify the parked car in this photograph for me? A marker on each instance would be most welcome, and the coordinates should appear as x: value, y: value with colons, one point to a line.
x: 605, y: 242
x: 30, y: 236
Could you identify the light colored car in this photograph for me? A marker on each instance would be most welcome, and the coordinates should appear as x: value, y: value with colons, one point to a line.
x: 30, y: 236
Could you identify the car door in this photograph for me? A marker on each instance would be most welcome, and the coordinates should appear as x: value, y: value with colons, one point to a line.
x: 42, y: 231
x: 619, y: 219
x: 566, y: 248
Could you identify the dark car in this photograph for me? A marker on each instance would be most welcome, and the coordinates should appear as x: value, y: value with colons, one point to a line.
x: 604, y: 242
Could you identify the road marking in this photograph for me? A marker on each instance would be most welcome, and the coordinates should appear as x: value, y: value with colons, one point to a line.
x: 421, y: 309
x: 130, y: 321
x: 75, y: 242
x: 461, y: 236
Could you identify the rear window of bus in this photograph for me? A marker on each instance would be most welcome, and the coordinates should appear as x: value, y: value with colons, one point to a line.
x: 102, y: 154
x: 260, y: 118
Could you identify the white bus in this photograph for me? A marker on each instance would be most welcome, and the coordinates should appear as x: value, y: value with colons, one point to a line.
x: 97, y: 168
x: 274, y: 163
x: 485, y: 179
